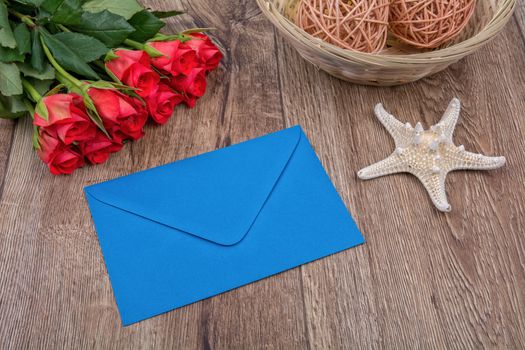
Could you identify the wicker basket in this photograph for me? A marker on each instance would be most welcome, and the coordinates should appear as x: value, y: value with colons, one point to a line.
x: 397, y: 64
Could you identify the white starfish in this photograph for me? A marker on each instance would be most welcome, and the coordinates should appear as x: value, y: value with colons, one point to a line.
x: 428, y: 154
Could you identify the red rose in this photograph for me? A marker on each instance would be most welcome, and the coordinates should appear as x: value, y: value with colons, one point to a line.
x: 59, y: 157
x: 192, y: 86
x: 123, y: 116
x: 132, y: 67
x: 98, y: 149
x: 209, y: 55
x: 142, y: 78
x: 162, y: 103
x: 125, y: 59
x: 178, y: 58
x: 67, y: 118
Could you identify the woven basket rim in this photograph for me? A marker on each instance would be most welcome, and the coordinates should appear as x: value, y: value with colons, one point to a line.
x: 453, y: 52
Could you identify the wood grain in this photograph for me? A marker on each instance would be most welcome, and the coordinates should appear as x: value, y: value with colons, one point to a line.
x: 423, y: 279
x: 6, y: 138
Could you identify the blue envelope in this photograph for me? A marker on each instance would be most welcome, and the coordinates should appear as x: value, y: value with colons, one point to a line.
x: 192, y: 229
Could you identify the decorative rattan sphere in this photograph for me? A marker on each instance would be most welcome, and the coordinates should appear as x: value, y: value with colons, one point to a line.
x: 359, y: 25
x: 429, y: 23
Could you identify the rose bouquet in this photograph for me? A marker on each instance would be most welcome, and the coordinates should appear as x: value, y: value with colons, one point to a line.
x: 92, y: 73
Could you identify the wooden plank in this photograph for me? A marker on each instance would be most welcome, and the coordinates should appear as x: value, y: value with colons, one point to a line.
x: 6, y: 138
x: 55, y: 291
x: 270, y: 311
x: 519, y: 16
x: 424, y: 278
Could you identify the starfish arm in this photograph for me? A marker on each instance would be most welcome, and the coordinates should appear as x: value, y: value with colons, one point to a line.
x: 389, y: 165
x: 473, y: 161
x: 397, y: 130
x: 435, y: 186
x: 450, y: 118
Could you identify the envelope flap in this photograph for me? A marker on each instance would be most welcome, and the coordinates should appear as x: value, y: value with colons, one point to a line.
x: 216, y: 196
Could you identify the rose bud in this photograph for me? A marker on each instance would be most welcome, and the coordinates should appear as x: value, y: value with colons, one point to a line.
x: 98, y: 149
x: 209, y: 55
x: 132, y: 67
x: 123, y: 116
x: 67, y: 118
x: 192, y: 86
x: 162, y: 103
x: 59, y: 157
x: 178, y: 58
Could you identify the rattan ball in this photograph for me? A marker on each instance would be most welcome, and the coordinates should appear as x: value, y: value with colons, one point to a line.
x: 359, y: 25
x: 429, y: 23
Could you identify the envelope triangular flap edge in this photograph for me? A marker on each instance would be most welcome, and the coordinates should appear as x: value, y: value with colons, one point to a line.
x: 215, y: 196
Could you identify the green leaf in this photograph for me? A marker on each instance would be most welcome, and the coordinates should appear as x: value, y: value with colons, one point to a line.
x: 29, y: 71
x: 15, y: 103
x: 12, y: 107
x: 105, y: 26
x: 22, y: 7
x: 23, y: 38
x: 10, y: 82
x: 68, y: 58
x: 37, y: 52
x: 124, y: 8
x: 18, y: 105
x: 42, y: 86
x: 83, y: 45
x: 146, y: 26
x: 35, y: 3
x: 10, y: 115
x: 10, y: 55
x: 63, y: 11
x: 7, y: 39
x: 166, y: 14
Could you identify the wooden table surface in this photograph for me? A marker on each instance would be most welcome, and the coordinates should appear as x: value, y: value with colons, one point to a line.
x: 424, y: 279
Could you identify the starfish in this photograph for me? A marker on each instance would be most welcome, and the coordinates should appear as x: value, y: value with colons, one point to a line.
x: 428, y: 154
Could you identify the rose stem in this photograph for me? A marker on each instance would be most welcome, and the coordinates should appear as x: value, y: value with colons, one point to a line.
x: 23, y: 18
x: 30, y: 89
x: 63, y: 28
x: 58, y: 67
x: 62, y: 79
x: 139, y: 46
x: 30, y: 107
